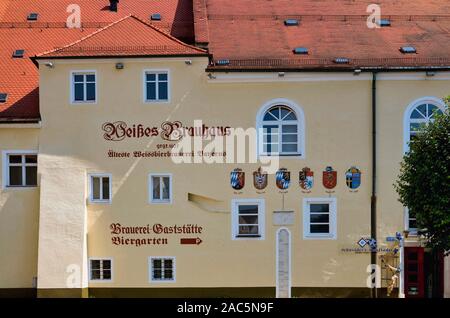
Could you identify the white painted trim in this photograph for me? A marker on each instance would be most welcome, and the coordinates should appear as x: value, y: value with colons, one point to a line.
x: 5, y: 170
x: 332, y: 218
x: 101, y: 259
x: 174, y: 270
x: 150, y: 188
x: 72, y: 87
x: 277, y: 259
x: 301, y: 126
x: 144, y: 86
x: 408, y: 111
x: 273, y: 77
x: 261, y: 218
x: 91, y: 190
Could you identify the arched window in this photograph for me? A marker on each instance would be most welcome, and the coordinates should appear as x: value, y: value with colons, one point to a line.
x: 418, y: 114
x: 281, y: 129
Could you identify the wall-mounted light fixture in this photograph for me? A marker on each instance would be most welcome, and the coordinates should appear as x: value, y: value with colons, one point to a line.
x: 119, y: 66
x: 49, y: 64
x: 188, y: 62
x: 281, y: 74
x: 210, y: 76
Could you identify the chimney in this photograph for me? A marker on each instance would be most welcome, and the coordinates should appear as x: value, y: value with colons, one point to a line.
x: 113, y: 5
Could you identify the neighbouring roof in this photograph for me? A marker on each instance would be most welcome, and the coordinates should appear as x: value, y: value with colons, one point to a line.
x: 252, y: 35
x: 128, y: 36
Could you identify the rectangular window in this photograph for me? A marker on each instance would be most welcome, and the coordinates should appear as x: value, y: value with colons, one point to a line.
x: 100, y: 269
x: 248, y: 219
x: 162, y: 269
x: 319, y: 218
x: 20, y: 169
x: 160, y: 188
x: 156, y: 86
x: 100, y: 189
x: 84, y: 87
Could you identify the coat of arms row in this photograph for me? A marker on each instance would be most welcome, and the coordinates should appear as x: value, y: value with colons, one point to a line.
x: 305, y: 178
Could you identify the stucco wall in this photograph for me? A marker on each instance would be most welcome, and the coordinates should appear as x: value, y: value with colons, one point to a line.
x: 19, y: 216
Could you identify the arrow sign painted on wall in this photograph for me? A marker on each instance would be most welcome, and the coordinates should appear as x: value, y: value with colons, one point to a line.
x: 190, y: 241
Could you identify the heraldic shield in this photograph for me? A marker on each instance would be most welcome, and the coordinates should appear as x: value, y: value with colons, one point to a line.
x: 306, y: 178
x: 260, y: 179
x: 329, y: 178
x: 237, y: 179
x: 283, y: 179
x: 353, y: 178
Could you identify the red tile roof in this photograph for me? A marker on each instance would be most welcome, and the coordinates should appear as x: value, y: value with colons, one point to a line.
x: 128, y: 36
x: 329, y: 29
x: 19, y: 77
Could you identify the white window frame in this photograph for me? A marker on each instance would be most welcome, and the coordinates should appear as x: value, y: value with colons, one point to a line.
x: 412, y: 230
x: 150, y: 270
x: 301, y: 128
x: 406, y: 117
x: 101, y: 259
x: 235, y: 203
x: 5, y: 170
x: 72, y: 87
x: 307, y: 235
x: 91, y: 188
x: 150, y: 188
x: 144, y: 86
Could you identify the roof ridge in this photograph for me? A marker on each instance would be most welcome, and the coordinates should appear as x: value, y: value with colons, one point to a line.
x: 85, y: 37
x: 115, y: 23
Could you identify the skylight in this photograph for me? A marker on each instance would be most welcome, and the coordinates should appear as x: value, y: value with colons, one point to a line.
x: 301, y: 50
x: 32, y: 17
x: 290, y: 22
x: 341, y: 60
x: 384, y: 23
x: 408, y: 50
x: 3, y: 97
x: 155, y: 17
x: 18, y: 53
x: 222, y: 62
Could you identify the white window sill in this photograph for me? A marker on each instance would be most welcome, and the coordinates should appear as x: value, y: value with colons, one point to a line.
x: 100, y: 201
x: 160, y: 202
x: 157, y: 102
x: 319, y: 237
x: 83, y: 102
x: 21, y: 188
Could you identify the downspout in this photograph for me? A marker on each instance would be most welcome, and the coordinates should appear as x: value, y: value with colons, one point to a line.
x: 373, y: 200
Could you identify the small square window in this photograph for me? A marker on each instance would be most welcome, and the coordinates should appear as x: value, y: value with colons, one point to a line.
x: 319, y: 218
x: 248, y: 219
x: 100, y: 269
x: 160, y: 188
x: 21, y: 170
x: 156, y: 86
x: 3, y: 97
x: 162, y: 269
x: 100, y: 189
x: 84, y: 87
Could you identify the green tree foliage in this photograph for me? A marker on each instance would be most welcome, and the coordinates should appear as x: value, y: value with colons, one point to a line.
x: 424, y: 181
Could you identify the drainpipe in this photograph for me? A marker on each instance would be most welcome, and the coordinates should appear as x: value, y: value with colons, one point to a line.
x: 373, y: 200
